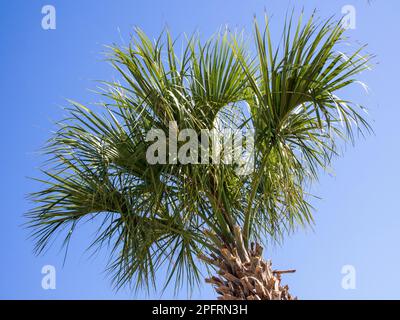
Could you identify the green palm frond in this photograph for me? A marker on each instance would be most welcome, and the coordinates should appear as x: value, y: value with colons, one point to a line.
x: 164, y: 215
x: 297, y: 115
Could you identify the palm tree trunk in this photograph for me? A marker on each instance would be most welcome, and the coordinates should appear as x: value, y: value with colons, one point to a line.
x: 242, y: 274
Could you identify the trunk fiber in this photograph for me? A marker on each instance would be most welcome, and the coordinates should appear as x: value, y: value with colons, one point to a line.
x: 242, y: 274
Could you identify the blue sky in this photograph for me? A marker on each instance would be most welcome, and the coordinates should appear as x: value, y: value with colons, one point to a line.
x: 357, y: 219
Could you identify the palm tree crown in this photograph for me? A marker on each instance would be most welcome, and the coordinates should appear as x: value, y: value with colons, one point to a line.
x: 168, y: 214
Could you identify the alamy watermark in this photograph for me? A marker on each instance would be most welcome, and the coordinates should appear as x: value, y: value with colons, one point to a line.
x: 49, y: 279
x: 49, y: 18
x: 349, y: 278
x: 349, y: 17
x: 208, y: 146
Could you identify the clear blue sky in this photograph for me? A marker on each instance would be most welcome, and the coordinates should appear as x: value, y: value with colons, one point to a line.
x: 357, y: 220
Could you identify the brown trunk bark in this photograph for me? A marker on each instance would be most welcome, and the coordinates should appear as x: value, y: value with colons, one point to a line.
x: 244, y: 275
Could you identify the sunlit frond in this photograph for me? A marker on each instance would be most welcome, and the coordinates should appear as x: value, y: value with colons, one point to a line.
x: 164, y: 215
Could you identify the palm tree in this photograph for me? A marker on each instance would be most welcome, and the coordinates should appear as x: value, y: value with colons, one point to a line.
x: 182, y: 216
